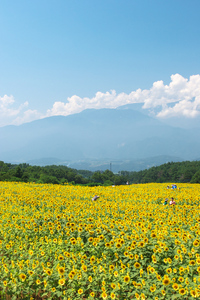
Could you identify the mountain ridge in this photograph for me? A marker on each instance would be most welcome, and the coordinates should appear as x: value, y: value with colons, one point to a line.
x: 103, y: 134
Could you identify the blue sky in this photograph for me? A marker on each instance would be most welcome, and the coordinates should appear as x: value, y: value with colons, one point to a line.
x: 60, y: 57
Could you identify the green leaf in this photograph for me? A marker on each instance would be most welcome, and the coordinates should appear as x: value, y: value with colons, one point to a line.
x: 45, y: 294
x: 176, y: 296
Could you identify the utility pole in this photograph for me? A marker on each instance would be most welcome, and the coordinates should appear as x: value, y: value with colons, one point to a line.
x: 110, y: 166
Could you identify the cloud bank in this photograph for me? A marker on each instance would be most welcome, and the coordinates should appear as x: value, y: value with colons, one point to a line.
x: 180, y: 98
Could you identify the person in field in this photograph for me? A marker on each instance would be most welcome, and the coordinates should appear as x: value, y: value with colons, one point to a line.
x: 172, y: 202
x: 174, y: 186
x: 95, y: 198
x: 166, y: 200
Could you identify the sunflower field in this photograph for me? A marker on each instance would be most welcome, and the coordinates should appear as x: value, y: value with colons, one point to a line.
x: 56, y: 243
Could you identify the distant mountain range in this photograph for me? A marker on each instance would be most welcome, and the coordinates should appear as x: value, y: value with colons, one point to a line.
x: 96, y: 138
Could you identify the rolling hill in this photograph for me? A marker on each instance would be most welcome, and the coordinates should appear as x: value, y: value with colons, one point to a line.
x: 105, y: 135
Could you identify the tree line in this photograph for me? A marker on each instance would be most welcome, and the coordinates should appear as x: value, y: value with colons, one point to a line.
x: 186, y: 171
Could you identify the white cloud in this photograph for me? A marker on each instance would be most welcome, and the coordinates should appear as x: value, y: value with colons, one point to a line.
x: 179, y: 90
x: 27, y: 116
x: 187, y: 95
x: 180, y: 98
x: 12, y: 115
x: 5, y: 103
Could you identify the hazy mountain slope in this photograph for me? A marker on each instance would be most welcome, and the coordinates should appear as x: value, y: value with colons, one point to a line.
x: 97, y: 134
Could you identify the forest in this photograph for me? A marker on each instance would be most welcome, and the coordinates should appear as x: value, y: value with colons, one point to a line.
x: 185, y: 172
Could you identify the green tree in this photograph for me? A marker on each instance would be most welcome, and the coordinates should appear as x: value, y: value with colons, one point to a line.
x: 196, y: 177
x: 18, y: 172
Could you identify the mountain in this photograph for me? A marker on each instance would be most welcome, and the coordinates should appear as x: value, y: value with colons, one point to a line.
x: 121, y: 134
x: 175, y: 121
x: 123, y: 165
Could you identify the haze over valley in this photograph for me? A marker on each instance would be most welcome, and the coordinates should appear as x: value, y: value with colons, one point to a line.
x: 122, y: 139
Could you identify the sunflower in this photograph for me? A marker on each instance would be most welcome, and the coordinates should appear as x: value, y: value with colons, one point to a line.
x: 169, y: 270
x: 192, y: 262
x: 45, y: 283
x: 163, y: 292
x: 5, y: 283
x: 193, y: 293
x: 115, y: 273
x: 152, y: 289
x: 166, y: 281
x: 22, y: 276
x: 137, y: 296
x: 104, y: 295
x: 143, y: 297
x: 73, y: 272
x: 137, y: 265
x: 175, y: 286
x: 90, y: 278
x: 152, y: 270
x: 169, y: 260
x: 71, y: 276
x: 139, y: 285
x: 30, y: 272
x: 136, y: 257
x: 84, y: 268
x: 61, y: 281
x: 38, y: 281
x: 61, y: 270
x: 134, y: 283
x: 181, y: 269
x: 60, y: 257
x: 49, y: 272
x: 153, y: 235
x: 182, y: 291
x: 196, y: 243
x: 112, y: 296
x: 181, y: 279
x: 158, y: 277
x: 92, y: 259
x: 113, y: 285
x: 141, y: 244
x: 127, y: 278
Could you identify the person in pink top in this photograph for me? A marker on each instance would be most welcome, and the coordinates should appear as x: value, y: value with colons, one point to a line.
x: 172, y: 202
